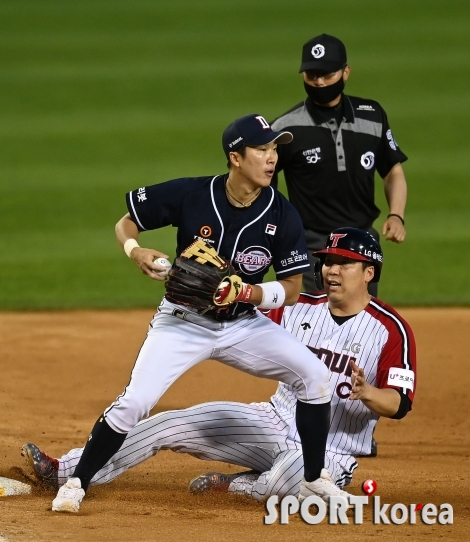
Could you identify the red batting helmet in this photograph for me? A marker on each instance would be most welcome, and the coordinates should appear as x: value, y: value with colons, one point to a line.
x: 352, y: 243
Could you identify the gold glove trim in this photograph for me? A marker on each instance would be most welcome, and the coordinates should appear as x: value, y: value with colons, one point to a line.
x: 203, y: 253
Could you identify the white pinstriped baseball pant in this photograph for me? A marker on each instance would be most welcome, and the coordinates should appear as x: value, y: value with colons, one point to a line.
x: 250, y: 435
x: 253, y: 344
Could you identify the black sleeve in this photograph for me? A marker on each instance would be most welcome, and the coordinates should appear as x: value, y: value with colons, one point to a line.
x: 404, y: 408
x: 152, y: 207
x: 389, y: 154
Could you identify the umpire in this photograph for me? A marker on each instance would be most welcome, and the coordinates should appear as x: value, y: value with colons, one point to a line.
x: 339, y: 143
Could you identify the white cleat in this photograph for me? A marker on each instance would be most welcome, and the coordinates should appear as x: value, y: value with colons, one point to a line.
x: 69, y: 496
x: 323, y: 487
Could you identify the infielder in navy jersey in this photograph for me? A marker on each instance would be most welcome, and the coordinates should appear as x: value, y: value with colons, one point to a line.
x: 253, y: 227
x: 371, y: 356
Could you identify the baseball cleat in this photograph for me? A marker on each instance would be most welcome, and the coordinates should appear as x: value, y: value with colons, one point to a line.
x: 215, y: 481
x: 323, y: 487
x: 45, y: 468
x: 69, y: 496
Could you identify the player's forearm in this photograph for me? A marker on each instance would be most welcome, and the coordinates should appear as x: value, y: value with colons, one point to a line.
x: 395, y: 188
x: 291, y: 285
x: 384, y: 402
x: 126, y: 229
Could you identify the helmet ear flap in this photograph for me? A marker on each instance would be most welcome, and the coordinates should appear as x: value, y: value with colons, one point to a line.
x: 317, y: 266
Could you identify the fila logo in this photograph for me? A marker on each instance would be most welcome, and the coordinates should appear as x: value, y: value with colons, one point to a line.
x: 318, y: 51
x: 264, y: 123
x: 335, y: 237
x: 270, y: 229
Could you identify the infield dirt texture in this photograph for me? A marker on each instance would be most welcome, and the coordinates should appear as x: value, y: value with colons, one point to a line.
x: 99, y: 97
x: 60, y: 375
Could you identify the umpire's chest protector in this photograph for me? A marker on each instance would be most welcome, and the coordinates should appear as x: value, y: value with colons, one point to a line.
x: 268, y: 232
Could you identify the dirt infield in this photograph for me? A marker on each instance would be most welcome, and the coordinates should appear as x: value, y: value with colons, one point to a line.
x: 59, y: 370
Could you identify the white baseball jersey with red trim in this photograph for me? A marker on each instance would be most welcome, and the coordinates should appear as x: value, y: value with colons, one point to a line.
x: 378, y: 340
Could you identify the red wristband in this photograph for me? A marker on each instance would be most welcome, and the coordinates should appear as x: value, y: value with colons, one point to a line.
x: 245, y: 294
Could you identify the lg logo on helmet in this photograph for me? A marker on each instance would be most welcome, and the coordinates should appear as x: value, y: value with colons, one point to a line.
x: 373, y: 255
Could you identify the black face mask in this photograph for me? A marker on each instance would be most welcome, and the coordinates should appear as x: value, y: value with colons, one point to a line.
x: 324, y: 95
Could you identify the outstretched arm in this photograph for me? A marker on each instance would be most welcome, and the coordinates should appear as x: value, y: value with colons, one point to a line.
x: 126, y: 231
x: 382, y: 401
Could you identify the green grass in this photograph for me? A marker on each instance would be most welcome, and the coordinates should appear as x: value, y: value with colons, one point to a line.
x: 100, y: 97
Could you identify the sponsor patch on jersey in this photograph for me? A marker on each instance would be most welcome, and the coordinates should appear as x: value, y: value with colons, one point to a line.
x: 365, y: 108
x: 312, y: 155
x: 270, y: 229
x: 391, y: 140
x: 402, y: 378
x: 253, y: 259
x: 141, y: 195
x: 294, y: 257
x: 205, y: 231
x: 368, y: 160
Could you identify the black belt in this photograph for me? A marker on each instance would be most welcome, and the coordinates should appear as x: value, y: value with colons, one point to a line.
x: 221, y: 315
x: 224, y: 316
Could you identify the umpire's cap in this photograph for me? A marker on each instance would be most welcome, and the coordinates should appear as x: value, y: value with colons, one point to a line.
x: 355, y: 244
x: 323, y: 52
x: 251, y: 131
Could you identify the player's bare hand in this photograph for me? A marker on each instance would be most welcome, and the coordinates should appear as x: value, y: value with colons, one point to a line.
x: 358, y: 382
x: 144, y: 259
x: 394, y: 230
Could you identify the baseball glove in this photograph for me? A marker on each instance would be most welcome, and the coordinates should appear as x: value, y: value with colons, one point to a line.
x: 202, y: 279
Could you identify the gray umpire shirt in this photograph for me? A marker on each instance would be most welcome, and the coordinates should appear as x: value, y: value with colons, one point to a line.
x: 329, y: 169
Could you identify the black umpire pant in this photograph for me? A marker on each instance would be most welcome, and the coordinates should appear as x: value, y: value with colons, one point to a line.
x: 316, y: 241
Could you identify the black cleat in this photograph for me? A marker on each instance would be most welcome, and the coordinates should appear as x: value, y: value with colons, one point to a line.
x: 45, y: 468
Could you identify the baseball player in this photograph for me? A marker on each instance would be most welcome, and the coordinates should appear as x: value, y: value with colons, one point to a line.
x: 340, y: 141
x: 231, y: 229
x: 371, y: 356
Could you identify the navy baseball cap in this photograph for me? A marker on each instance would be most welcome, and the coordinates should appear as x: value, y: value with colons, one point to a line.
x: 251, y: 131
x: 323, y: 52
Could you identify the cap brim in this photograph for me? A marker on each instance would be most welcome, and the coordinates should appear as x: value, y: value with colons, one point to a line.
x: 319, y: 65
x: 279, y: 137
x: 342, y: 252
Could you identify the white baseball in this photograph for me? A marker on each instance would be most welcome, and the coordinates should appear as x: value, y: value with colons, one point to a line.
x: 165, y: 266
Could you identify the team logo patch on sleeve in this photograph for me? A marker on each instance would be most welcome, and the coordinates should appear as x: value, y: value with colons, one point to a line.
x: 391, y: 140
x: 402, y: 378
x: 141, y: 195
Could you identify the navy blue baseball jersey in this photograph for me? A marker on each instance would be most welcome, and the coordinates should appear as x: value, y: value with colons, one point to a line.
x: 268, y: 232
